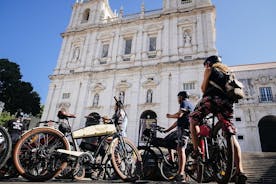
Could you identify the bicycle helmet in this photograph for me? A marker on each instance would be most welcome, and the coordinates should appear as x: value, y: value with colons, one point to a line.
x: 212, y: 60
x: 183, y: 94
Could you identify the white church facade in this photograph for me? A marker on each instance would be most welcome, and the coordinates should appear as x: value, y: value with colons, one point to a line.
x: 144, y: 59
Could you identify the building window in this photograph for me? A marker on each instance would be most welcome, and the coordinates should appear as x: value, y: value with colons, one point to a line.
x: 149, y: 96
x: 240, y: 137
x: 122, y: 96
x: 86, y: 15
x: 188, y: 86
x: 105, y: 50
x: 96, y: 100
x: 238, y: 119
x: 266, y: 94
x: 65, y: 95
x: 186, y: 1
x: 128, y: 44
x: 152, y: 44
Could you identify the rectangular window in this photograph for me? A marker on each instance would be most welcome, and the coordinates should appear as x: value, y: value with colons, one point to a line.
x: 128, y: 44
x: 105, y: 50
x: 188, y: 86
x: 65, y: 95
x: 152, y: 44
x: 185, y: 1
x: 266, y: 94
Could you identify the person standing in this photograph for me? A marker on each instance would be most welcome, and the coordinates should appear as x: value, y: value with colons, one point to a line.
x: 182, y: 125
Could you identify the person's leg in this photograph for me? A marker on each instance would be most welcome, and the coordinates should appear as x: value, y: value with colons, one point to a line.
x: 237, y: 155
x: 182, y: 160
x: 203, y: 108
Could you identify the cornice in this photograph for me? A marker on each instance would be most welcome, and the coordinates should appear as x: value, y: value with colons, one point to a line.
x: 183, y: 12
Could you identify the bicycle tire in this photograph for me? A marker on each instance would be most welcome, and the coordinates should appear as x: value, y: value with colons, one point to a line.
x: 169, y: 170
x: 121, y: 162
x: 223, y: 175
x: 5, y: 146
x: 150, y: 163
x: 34, y: 154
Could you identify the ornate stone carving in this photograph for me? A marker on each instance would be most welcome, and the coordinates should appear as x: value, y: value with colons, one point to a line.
x: 98, y: 87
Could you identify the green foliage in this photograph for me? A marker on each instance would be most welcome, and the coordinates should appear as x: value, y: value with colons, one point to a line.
x: 17, y: 94
x: 4, y: 117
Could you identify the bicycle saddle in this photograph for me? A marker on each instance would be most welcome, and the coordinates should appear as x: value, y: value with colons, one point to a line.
x: 65, y: 115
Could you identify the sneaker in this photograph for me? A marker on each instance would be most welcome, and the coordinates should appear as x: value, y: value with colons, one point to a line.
x: 240, y: 178
x: 179, y: 179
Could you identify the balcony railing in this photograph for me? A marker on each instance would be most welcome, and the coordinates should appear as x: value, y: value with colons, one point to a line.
x: 267, y: 100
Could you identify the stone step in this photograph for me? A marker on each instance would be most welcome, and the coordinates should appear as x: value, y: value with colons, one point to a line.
x: 260, y: 167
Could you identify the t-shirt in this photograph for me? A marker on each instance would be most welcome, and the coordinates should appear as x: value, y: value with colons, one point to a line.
x: 186, y: 107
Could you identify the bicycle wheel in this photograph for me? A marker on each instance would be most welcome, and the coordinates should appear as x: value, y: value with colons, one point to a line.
x: 150, y: 164
x: 224, y: 157
x: 126, y: 159
x: 5, y: 146
x: 169, y: 168
x: 35, y: 155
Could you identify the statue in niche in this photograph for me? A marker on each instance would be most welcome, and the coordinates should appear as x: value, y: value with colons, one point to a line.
x: 76, y: 54
x: 187, y: 38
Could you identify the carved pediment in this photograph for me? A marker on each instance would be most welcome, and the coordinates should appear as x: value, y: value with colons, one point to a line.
x: 123, y: 85
x: 150, y: 83
x: 98, y: 87
x: 64, y: 105
x: 263, y: 79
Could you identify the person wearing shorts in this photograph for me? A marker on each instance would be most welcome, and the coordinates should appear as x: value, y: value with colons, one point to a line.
x: 182, y: 125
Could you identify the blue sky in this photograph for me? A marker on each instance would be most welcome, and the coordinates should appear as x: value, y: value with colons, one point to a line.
x: 30, y: 33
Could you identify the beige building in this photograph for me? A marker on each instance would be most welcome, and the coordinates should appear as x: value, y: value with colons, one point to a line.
x: 144, y: 59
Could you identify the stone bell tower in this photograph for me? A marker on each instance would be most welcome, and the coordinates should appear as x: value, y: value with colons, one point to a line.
x: 89, y: 12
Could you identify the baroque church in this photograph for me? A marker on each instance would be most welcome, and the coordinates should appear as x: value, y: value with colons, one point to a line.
x: 145, y: 59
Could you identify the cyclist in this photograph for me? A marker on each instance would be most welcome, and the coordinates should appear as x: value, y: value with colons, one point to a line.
x: 215, y: 101
x: 182, y: 125
x: 16, y: 126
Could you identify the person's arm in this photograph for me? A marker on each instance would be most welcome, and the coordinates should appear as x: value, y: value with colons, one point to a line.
x: 171, y: 127
x: 176, y: 115
x: 205, y: 81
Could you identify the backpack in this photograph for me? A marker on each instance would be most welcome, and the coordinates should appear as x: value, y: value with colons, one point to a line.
x: 233, y: 87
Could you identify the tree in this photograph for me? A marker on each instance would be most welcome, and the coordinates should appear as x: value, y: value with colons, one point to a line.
x: 15, y: 93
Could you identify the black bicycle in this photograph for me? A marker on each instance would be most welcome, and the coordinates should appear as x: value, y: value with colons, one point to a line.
x: 158, y: 154
x: 5, y: 146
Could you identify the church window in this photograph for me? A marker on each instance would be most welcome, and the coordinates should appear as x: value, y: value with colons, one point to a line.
x: 96, y: 100
x: 186, y: 1
x: 128, y: 44
x: 189, y: 86
x: 105, y: 50
x: 86, y: 15
x: 266, y: 94
x: 65, y: 95
x: 149, y: 96
x: 152, y: 44
x: 122, y: 96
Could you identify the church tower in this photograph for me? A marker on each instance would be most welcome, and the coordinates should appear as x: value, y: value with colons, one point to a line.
x: 89, y: 12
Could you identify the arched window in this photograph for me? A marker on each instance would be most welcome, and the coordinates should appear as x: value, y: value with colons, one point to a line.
x: 86, y: 15
x: 96, y: 100
x: 149, y: 96
x: 122, y: 96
